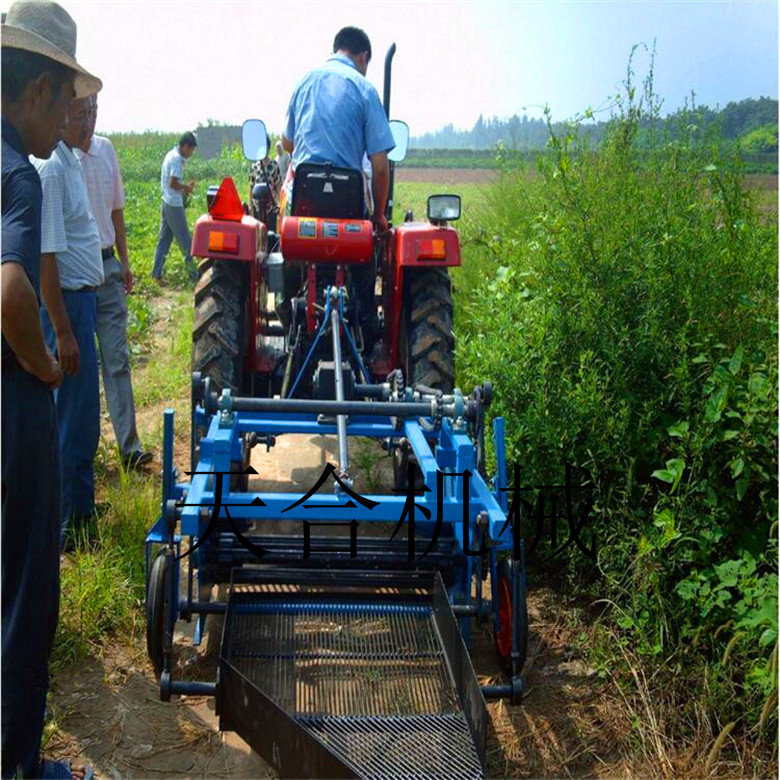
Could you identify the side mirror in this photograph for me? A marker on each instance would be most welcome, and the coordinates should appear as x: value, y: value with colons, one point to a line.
x: 254, y: 139
x: 400, y: 131
x: 443, y: 208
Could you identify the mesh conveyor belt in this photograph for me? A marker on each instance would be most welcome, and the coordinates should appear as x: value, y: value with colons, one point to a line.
x: 357, y: 662
x: 432, y: 746
x: 370, y: 680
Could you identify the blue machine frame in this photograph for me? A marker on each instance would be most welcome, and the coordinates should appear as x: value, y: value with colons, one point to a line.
x: 454, y: 454
x: 444, y: 452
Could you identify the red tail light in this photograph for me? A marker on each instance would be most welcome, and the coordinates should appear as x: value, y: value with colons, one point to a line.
x: 226, y: 203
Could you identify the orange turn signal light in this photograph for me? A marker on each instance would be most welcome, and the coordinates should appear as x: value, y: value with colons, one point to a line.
x: 432, y: 249
x: 219, y: 241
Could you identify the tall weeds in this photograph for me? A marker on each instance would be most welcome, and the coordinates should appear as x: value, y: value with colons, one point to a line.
x: 624, y: 303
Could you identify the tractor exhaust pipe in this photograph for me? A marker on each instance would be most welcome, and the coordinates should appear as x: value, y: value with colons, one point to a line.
x: 388, y: 69
x: 386, y: 103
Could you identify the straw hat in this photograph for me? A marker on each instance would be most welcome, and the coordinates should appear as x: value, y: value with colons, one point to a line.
x: 45, y: 28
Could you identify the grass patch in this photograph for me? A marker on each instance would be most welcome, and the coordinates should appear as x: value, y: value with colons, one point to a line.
x: 102, y: 581
x: 366, y: 459
x: 414, y: 196
x: 166, y: 375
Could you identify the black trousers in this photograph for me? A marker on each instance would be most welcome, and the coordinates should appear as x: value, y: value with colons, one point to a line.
x: 30, y: 562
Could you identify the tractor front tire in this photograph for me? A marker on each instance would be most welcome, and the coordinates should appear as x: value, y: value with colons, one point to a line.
x: 427, y: 342
x: 220, y: 324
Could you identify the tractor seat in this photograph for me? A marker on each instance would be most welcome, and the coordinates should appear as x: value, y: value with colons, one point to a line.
x: 323, y: 190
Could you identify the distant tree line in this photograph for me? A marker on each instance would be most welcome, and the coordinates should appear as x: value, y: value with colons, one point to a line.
x: 753, y: 121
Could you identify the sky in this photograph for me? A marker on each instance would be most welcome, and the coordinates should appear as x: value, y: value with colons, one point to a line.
x: 172, y: 65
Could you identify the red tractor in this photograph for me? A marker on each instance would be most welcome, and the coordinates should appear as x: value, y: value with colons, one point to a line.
x: 313, y: 323
x: 264, y: 277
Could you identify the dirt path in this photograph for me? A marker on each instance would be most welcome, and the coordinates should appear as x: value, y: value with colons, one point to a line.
x: 110, y: 716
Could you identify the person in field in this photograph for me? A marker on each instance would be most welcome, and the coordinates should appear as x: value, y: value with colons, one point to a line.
x: 40, y: 76
x: 173, y: 217
x: 335, y: 116
x: 106, y: 193
x: 282, y: 159
x: 71, y: 273
x: 268, y: 171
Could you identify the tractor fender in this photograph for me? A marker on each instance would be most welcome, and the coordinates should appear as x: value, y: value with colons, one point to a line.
x: 422, y: 244
x: 221, y: 239
x: 416, y: 246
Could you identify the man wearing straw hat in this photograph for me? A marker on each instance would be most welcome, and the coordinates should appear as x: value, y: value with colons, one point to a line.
x: 40, y: 76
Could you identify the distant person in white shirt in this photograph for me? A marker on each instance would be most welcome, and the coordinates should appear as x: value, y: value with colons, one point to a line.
x: 71, y: 272
x: 282, y: 159
x: 107, y: 200
x: 173, y: 219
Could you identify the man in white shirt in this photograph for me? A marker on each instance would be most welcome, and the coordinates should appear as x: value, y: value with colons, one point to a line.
x: 173, y: 218
x: 71, y: 272
x: 107, y: 199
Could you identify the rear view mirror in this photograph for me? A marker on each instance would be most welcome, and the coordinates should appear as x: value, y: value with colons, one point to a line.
x: 400, y: 132
x: 443, y: 208
x: 254, y: 139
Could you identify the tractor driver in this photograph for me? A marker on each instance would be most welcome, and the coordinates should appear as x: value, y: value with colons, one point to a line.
x: 335, y: 116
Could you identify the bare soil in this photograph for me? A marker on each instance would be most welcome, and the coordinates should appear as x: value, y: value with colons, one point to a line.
x: 761, y: 181
x: 112, y: 719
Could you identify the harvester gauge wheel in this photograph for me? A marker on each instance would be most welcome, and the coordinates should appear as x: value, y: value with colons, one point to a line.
x: 503, y: 639
x: 156, y: 611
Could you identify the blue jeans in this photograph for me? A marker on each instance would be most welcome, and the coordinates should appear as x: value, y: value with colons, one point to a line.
x: 31, y: 561
x: 78, y: 407
x: 173, y: 224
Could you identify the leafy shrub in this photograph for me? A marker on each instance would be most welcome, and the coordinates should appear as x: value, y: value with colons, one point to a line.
x: 624, y: 305
x: 761, y: 140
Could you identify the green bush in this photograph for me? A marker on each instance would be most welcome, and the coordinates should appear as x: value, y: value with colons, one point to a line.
x: 762, y: 140
x: 624, y: 305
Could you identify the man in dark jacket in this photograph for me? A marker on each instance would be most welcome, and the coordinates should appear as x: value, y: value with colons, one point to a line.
x: 39, y: 78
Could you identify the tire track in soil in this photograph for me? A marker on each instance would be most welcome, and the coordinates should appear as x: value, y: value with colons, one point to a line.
x: 112, y: 719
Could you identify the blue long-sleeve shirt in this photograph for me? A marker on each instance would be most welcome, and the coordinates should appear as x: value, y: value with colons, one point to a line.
x: 335, y: 115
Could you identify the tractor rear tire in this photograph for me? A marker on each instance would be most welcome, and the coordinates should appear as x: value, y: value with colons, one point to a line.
x: 220, y: 324
x: 427, y: 347
x: 427, y: 341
